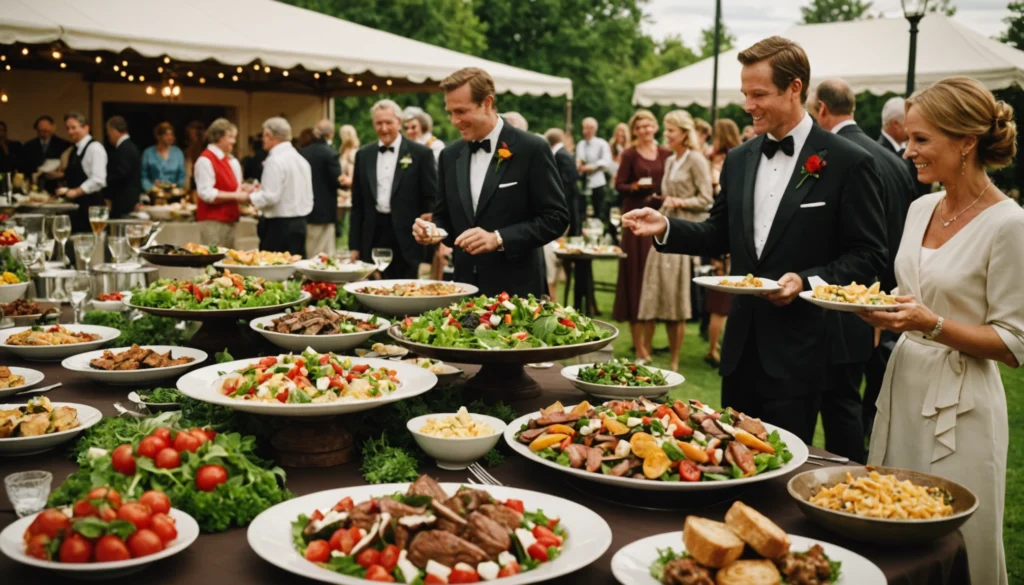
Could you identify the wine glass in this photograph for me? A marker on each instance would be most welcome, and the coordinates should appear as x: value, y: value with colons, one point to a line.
x: 29, y: 253
x: 84, y: 245
x: 592, y: 230
x: 78, y: 288
x: 382, y: 258
x: 119, y: 250
x: 61, y: 230
x: 615, y: 216
x: 137, y: 233
x: 46, y: 239
x: 98, y: 216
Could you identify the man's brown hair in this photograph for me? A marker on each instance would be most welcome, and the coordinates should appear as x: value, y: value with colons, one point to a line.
x: 480, y: 83
x: 837, y: 96
x: 788, y: 61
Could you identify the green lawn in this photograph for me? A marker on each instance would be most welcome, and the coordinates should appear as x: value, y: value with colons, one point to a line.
x: 704, y: 384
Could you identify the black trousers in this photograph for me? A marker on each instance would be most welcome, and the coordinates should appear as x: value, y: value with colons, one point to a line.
x: 790, y: 403
x: 873, y: 374
x: 841, y: 411
x: 384, y: 237
x: 282, y: 234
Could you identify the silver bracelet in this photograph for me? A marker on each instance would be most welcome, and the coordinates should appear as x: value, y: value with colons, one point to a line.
x: 935, y: 332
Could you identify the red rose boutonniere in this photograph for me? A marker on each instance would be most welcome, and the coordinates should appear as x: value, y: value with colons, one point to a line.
x: 502, y: 154
x: 812, y: 168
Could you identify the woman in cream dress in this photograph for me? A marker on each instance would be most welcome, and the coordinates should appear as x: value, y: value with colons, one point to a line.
x: 686, y: 189
x: 942, y: 407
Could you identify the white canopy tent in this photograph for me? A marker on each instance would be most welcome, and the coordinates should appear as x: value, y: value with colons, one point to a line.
x: 871, y: 55
x: 241, y: 32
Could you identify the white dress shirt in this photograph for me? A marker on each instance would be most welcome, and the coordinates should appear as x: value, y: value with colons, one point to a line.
x: 595, y: 153
x: 387, y: 161
x: 287, y: 186
x: 480, y: 161
x: 896, y: 145
x: 434, y: 143
x: 843, y: 124
x: 94, y: 163
x: 206, y: 178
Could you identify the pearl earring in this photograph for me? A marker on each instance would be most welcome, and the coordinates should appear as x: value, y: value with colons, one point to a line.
x: 963, y: 163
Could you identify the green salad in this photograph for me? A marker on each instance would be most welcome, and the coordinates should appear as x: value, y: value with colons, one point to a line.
x: 502, y: 322
x: 217, y: 292
x: 621, y: 373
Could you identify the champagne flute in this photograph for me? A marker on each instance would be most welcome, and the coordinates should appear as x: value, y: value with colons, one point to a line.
x: 137, y: 233
x: 119, y: 250
x: 98, y: 216
x: 61, y: 229
x: 382, y: 258
x: 84, y: 245
x: 78, y: 288
x: 29, y: 253
x: 46, y: 239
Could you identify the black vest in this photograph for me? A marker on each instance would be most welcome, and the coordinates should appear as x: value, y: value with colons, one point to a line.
x: 74, y: 176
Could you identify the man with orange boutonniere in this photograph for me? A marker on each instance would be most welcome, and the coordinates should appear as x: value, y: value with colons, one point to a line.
x: 795, y: 202
x: 499, y: 196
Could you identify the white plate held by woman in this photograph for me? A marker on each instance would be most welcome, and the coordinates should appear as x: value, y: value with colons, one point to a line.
x: 80, y: 363
x: 808, y: 296
x: 632, y: 563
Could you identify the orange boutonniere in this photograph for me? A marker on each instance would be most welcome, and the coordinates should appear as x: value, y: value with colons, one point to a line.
x: 502, y: 154
x: 812, y: 167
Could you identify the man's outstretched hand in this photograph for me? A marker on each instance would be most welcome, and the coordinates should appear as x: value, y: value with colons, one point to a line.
x: 645, y: 222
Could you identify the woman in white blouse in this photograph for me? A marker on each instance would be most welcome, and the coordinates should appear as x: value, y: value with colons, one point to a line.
x: 942, y: 407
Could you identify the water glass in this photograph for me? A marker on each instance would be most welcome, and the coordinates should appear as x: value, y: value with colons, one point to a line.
x: 78, y: 288
x: 615, y: 216
x: 28, y: 491
x: 61, y: 227
x: 382, y: 258
x: 119, y: 249
x: 84, y: 245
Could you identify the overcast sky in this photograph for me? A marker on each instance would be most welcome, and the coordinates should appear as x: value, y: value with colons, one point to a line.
x: 752, y: 20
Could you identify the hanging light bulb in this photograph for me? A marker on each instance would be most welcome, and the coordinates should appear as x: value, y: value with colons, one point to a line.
x: 167, y: 60
x: 142, y: 78
x: 374, y: 87
x: 64, y: 65
x: 285, y: 73
x: 150, y: 90
x: 3, y: 96
x: 220, y: 75
x: 266, y: 69
x: 202, y: 80
x: 99, y: 59
x: 56, y: 54
x: 3, y: 57
x: 159, y: 69
x: 165, y: 91
x: 255, y: 66
x: 359, y: 83
x: 350, y: 80
x: 389, y: 82
x: 316, y: 76
x: 24, y: 51
x: 238, y: 69
x: 176, y: 91
x: 234, y: 78
x: 131, y: 78
x: 116, y: 68
x: 170, y: 81
x: 124, y: 73
x: 7, y: 67
x: 124, y: 63
x: 189, y: 74
x: 328, y: 73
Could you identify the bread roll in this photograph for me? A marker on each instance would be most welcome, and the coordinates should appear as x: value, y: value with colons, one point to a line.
x: 760, y: 572
x: 711, y: 543
x: 755, y: 529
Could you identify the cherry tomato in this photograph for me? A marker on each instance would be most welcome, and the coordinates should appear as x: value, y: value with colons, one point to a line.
x: 84, y: 509
x: 111, y: 548
x: 49, y: 522
x: 389, y: 557
x: 432, y: 579
x: 105, y: 493
x: 538, y: 551
x: 510, y: 569
x: 344, y: 505
x: 158, y: 502
x: 168, y: 459
x: 150, y: 446
x: 688, y: 471
x: 547, y: 541
x: 198, y: 431
x: 107, y: 513
x: 137, y: 513
x: 122, y: 461
x: 267, y: 362
x: 144, y: 542
x: 209, y: 477
x: 75, y: 549
x: 380, y: 574
x: 36, y: 547
x: 186, y: 441
x: 540, y: 532
x: 368, y: 557
x: 318, y: 551
x: 516, y: 505
x: 163, y: 526
x: 463, y: 576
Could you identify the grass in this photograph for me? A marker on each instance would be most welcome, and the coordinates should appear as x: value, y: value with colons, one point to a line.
x: 704, y: 384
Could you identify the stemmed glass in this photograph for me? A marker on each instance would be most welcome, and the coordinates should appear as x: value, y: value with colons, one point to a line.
x: 98, y: 216
x: 84, y: 245
x: 382, y: 258
x: 46, y: 239
x: 119, y: 250
x: 78, y: 287
x: 592, y: 230
x: 29, y: 253
x: 615, y: 216
x: 137, y: 233
x: 61, y: 226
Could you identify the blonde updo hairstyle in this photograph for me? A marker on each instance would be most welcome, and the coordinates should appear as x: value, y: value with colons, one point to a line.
x: 961, y: 107
x: 684, y: 121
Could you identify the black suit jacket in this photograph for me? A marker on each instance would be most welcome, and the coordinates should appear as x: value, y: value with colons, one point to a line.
x: 124, y: 179
x: 566, y: 165
x: 919, y: 187
x: 413, y: 190
x: 521, y: 198
x: 832, y: 227
x: 325, y: 166
x: 10, y: 161
x: 33, y: 155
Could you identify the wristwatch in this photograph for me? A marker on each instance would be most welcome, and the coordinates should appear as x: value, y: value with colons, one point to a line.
x: 501, y: 243
x: 936, y: 331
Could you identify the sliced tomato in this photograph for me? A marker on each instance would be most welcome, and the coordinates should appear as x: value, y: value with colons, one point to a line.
x: 359, y: 368
x: 459, y: 575
x: 538, y: 552
x: 282, y: 396
x: 267, y: 362
x: 379, y: 574
x: 389, y: 557
x: 368, y: 557
x: 503, y: 297
x: 510, y: 569
x: 432, y: 579
x: 516, y: 505
x: 324, y: 359
x: 318, y: 551
x: 688, y: 471
x: 407, y: 322
x: 540, y: 532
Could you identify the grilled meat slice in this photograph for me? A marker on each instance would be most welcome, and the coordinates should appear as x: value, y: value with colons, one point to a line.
x: 594, y: 455
x: 810, y: 568
x: 445, y: 548
x: 427, y: 486
x: 364, y: 515
x: 753, y: 426
x: 577, y: 455
x: 493, y: 538
x: 502, y: 514
x: 711, y: 429
x: 400, y: 510
x: 686, y: 572
x: 528, y: 436
x: 738, y: 454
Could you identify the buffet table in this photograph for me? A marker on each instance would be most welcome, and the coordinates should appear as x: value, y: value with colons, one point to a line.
x: 226, y: 557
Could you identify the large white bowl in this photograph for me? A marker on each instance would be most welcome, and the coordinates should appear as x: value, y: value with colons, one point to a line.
x: 795, y: 445
x: 588, y: 535
x: 87, y: 416
x: 49, y: 353
x: 358, y: 271
x: 455, y: 453
x: 406, y: 305
x: 199, y: 384
x: 32, y: 377
x: 80, y: 363
x: 277, y: 272
x: 13, y: 545
x: 319, y: 343
x: 631, y: 564
x: 571, y: 373
x: 12, y: 292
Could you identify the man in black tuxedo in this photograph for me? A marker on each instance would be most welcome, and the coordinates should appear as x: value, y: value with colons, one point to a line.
x: 499, y: 194
x: 326, y: 171
x: 124, y: 170
x: 894, y: 136
x: 45, y: 145
x: 784, y: 215
x: 852, y: 344
x: 394, y: 183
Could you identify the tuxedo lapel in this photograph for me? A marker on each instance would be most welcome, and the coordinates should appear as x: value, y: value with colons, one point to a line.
x: 462, y: 181
x: 793, y: 196
x: 494, y: 170
x: 750, y: 174
x: 371, y: 173
x: 403, y: 151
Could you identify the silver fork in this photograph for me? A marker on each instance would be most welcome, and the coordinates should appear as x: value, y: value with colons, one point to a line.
x: 481, y: 474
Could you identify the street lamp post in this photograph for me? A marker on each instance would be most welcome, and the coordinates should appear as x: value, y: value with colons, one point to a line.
x: 714, y: 81
x: 913, y: 11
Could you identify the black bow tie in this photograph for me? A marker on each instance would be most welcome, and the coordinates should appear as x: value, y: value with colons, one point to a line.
x: 769, y: 147
x: 480, y: 144
x: 384, y: 149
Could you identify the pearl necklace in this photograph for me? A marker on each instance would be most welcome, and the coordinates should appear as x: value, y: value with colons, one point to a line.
x: 952, y: 219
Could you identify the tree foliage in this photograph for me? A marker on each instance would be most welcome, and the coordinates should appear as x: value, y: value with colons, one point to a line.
x: 820, y: 11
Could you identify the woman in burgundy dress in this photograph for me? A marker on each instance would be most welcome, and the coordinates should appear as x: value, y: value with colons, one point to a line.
x: 638, y: 181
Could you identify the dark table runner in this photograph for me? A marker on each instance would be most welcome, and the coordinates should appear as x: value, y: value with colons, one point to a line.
x: 226, y: 557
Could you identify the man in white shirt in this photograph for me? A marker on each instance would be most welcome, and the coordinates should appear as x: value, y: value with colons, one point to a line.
x: 594, y: 159
x: 86, y: 173
x: 285, y: 196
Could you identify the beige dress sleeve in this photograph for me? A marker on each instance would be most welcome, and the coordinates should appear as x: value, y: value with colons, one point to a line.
x: 1003, y: 287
